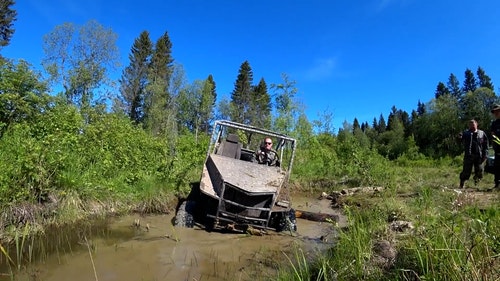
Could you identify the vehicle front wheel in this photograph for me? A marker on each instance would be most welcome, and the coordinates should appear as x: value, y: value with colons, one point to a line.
x: 184, y: 215
x: 287, y: 222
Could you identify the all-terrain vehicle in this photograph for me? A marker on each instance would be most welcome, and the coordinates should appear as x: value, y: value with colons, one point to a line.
x: 235, y: 192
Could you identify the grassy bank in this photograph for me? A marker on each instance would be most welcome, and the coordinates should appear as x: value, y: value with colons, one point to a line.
x: 443, y: 233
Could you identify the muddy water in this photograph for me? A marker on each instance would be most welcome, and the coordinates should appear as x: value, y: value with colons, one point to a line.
x: 158, y: 251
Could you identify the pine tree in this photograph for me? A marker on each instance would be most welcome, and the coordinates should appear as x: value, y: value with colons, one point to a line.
x: 454, y: 87
x: 135, y: 77
x: 484, y: 80
x: 206, y: 104
x: 470, y: 84
x: 241, y: 95
x: 210, y: 79
x: 392, y: 118
x: 375, y: 124
x: 7, y: 17
x: 159, y: 105
x: 381, y: 124
x: 441, y: 90
x: 421, y: 110
x: 355, y: 124
x: 260, y: 106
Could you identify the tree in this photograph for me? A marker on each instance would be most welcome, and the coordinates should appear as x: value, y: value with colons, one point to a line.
x: 355, y: 125
x: 375, y: 124
x: 287, y: 109
x: 470, y: 84
x: 478, y: 105
x: 21, y: 94
x: 7, y: 17
x: 401, y: 117
x: 241, y: 95
x: 454, y: 86
x: 207, y: 104
x: 324, y: 125
x: 210, y: 79
x: 135, y: 77
x: 441, y: 89
x: 436, y: 130
x: 159, y: 103
x: 195, y: 107
x: 421, y: 108
x: 392, y: 143
x: 381, y: 126
x: 484, y: 80
x: 260, y: 105
x: 79, y: 58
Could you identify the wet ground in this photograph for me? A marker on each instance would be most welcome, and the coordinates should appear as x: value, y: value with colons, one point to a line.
x: 156, y: 250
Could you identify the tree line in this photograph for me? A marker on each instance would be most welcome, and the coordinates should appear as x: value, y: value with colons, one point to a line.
x: 78, y: 129
x: 432, y: 127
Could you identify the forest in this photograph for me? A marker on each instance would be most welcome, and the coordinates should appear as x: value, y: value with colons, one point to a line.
x: 68, y: 135
x: 77, y: 136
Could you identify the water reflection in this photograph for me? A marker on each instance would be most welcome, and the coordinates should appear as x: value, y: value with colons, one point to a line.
x: 150, y: 248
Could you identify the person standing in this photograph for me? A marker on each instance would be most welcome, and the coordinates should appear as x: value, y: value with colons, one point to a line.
x: 475, y: 144
x: 495, y: 133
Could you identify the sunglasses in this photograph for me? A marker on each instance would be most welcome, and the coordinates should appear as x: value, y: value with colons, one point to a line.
x: 269, y: 142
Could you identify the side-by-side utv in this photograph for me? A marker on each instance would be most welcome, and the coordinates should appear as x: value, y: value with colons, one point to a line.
x: 235, y: 191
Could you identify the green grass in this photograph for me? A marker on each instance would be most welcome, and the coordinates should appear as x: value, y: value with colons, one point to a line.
x: 455, y: 236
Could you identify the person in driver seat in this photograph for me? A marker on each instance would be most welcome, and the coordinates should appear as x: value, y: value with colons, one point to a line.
x: 266, y: 154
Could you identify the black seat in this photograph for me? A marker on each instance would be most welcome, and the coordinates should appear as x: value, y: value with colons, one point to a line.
x: 230, y: 147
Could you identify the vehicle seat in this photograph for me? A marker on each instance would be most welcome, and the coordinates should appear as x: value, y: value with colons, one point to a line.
x: 230, y: 147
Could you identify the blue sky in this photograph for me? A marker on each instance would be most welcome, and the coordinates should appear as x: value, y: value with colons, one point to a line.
x: 348, y: 58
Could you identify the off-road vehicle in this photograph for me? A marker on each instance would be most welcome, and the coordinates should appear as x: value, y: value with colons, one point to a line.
x: 235, y: 191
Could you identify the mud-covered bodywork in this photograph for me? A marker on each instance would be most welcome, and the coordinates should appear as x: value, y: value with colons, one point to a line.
x: 235, y: 191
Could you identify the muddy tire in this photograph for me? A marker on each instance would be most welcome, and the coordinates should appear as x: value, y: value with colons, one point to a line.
x: 184, y: 215
x: 287, y: 222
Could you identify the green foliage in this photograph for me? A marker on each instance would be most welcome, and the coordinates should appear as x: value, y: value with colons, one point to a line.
x: 483, y: 79
x: 134, y: 78
x: 454, y: 234
x: 459, y: 242
x: 62, y: 152
x: 392, y: 143
x: 436, y: 131
x: 159, y: 112
x: 241, y: 95
x: 477, y: 106
x: 195, y: 107
x: 7, y: 17
x: 287, y: 108
x: 329, y: 159
x: 79, y: 57
x: 21, y: 94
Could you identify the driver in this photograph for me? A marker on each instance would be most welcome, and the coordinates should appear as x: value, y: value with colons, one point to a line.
x: 266, y: 154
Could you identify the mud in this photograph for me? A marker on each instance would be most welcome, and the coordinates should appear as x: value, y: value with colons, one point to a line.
x: 151, y: 248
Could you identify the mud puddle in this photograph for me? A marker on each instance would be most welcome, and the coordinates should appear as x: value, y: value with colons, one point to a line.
x: 156, y: 250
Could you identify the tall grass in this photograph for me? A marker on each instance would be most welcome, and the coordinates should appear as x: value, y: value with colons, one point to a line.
x: 456, y: 234
x: 461, y: 246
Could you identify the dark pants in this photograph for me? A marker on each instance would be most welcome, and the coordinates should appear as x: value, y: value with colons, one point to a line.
x: 496, y: 168
x: 475, y: 161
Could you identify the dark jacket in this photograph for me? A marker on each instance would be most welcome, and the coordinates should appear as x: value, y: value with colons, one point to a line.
x: 269, y: 157
x: 475, y: 143
x: 495, y: 131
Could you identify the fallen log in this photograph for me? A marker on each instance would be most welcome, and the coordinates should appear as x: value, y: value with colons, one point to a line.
x: 321, y: 217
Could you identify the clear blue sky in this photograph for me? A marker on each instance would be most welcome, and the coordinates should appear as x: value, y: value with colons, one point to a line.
x: 350, y: 58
